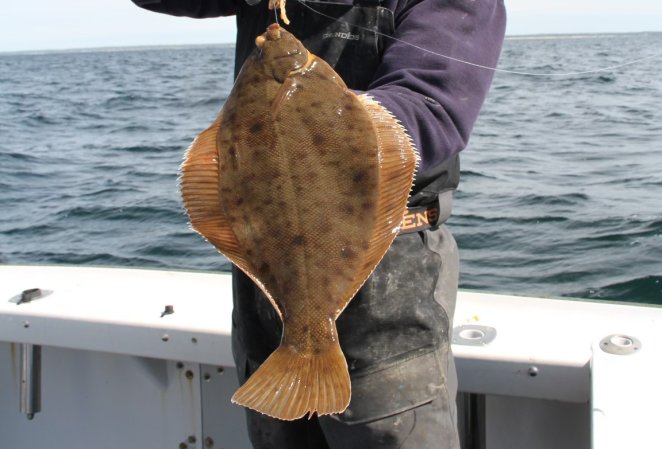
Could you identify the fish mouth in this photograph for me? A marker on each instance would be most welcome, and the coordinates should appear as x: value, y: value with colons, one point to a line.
x: 273, y: 32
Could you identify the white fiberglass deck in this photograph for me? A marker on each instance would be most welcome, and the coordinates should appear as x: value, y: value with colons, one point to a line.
x: 112, y: 358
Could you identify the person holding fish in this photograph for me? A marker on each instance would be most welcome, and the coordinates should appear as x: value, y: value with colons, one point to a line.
x: 344, y: 275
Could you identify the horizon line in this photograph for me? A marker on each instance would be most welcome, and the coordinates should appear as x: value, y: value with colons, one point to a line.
x: 139, y: 47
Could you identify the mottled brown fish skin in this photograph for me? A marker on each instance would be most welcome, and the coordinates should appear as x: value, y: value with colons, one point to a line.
x: 295, y: 184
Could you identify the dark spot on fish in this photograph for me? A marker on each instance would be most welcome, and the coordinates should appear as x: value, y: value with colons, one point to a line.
x: 347, y: 209
x: 231, y: 117
x: 256, y: 127
x: 316, y: 104
x: 232, y: 152
x: 359, y: 176
x: 349, y: 107
x: 366, y: 205
x: 264, y: 266
x: 239, y: 202
x: 347, y: 253
x: 319, y: 139
x: 298, y: 240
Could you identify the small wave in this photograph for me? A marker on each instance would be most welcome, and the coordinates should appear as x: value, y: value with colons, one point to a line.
x: 147, y: 149
x: 31, y: 231
x: 557, y: 114
x: 110, y: 191
x: 97, y: 259
x: 618, y: 230
x: 20, y: 157
x: 131, y: 129
x: 654, y: 226
x: 36, y: 120
x: 212, y: 101
x: 506, y: 220
x: 123, y: 100
x: 646, y: 289
x: 606, y: 79
x: 475, y: 174
x: 121, y: 213
x: 567, y: 199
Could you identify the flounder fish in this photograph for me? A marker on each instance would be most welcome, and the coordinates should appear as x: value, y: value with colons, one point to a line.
x: 302, y: 184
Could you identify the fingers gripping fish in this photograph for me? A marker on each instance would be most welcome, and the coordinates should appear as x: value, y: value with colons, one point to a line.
x: 302, y: 185
x: 280, y: 5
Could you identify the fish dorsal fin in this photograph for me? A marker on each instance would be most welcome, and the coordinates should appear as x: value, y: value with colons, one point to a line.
x: 199, y: 183
x: 398, y: 162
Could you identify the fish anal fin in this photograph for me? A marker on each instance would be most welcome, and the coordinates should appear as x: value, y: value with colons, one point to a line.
x: 199, y: 181
x: 291, y: 384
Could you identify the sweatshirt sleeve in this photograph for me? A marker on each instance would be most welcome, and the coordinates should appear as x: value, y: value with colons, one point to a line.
x: 438, y: 98
x: 198, y: 9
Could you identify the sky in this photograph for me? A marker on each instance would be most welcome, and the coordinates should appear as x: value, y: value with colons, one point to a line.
x: 63, y: 24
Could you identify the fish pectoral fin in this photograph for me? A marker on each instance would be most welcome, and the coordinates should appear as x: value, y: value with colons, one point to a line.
x: 290, y: 384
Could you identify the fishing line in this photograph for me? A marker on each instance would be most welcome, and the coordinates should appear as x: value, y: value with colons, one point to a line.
x: 494, y: 69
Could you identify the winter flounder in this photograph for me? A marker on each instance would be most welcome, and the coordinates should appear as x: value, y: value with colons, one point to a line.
x: 302, y: 184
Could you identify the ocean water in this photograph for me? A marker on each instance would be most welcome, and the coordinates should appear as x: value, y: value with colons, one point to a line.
x: 561, y: 193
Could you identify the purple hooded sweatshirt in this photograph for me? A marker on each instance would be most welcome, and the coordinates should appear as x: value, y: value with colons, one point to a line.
x: 437, y: 98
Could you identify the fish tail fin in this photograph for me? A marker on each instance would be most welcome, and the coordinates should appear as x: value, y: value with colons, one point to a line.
x: 291, y: 384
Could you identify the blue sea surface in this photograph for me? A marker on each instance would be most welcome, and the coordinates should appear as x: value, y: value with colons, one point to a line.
x: 561, y: 191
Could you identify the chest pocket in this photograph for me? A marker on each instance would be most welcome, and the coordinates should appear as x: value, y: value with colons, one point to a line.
x: 344, y: 34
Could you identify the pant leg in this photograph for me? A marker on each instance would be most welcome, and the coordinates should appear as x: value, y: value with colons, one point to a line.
x: 269, y: 433
x: 404, y: 397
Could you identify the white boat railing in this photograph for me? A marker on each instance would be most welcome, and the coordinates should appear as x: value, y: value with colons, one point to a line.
x: 109, y: 357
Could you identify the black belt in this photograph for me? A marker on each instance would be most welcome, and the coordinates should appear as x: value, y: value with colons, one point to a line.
x: 420, y: 218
